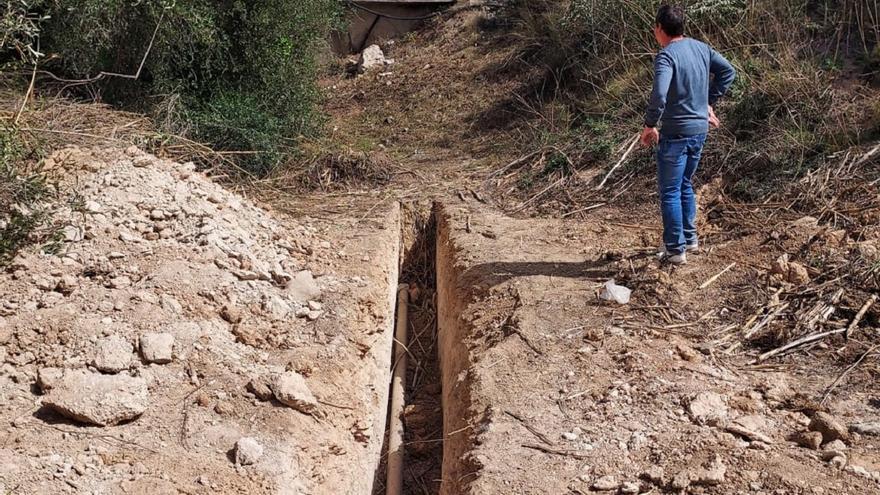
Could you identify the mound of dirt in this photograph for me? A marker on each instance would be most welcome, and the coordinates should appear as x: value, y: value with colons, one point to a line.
x: 165, y: 297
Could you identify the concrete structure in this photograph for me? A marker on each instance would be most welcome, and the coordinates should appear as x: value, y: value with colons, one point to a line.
x: 399, y: 16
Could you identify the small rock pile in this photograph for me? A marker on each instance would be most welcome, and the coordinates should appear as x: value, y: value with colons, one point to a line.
x: 156, y: 261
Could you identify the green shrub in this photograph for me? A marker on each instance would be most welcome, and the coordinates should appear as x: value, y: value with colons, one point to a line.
x: 26, y: 198
x: 241, y: 74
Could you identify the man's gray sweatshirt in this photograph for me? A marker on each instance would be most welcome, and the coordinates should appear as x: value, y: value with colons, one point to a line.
x: 683, y: 90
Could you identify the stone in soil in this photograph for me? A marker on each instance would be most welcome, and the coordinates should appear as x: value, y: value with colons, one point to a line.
x: 830, y: 428
x: 707, y: 408
x: 872, y: 429
x: 303, y: 287
x: 370, y: 58
x: 248, y: 451
x: 102, y: 400
x: 48, y: 378
x: 290, y: 389
x: 605, y: 484
x: 260, y: 388
x: 712, y: 475
x: 231, y: 314
x: 113, y: 354
x: 157, y: 347
x: 810, y: 440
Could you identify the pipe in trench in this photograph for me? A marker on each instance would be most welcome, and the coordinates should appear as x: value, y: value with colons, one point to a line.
x: 394, y: 480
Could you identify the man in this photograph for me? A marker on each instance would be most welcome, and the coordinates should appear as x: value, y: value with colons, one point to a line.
x: 681, y: 102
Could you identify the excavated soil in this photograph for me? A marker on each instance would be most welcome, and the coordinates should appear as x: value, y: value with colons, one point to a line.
x: 547, y: 388
x: 156, y: 248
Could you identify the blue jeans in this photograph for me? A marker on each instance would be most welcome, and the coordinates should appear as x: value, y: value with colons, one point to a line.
x: 677, y: 160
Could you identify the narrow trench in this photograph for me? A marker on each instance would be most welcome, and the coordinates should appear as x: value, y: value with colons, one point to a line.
x: 423, y: 413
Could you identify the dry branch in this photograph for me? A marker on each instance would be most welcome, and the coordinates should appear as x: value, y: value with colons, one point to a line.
x: 632, y: 146
x: 718, y: 275
x: 861, y: 314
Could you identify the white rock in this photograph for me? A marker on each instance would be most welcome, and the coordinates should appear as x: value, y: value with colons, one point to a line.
x: 303, y: 287
x: 276, y: 308
x: 872, y: 429
x: 630, y: 487
x: 72, y: 233
x: 370, y: 58
x: 707, y: 408
x: 605, y: 484
x: 97, y: 399
x: 112, y: 354
x: 290, y: 389
x: 248, y: 451
x: 157, y: 347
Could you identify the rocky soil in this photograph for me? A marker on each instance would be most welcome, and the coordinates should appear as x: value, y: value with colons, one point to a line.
x: 560, y: 391
x: 181, y: 339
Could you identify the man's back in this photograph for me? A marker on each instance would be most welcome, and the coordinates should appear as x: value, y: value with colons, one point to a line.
x: 683, y: 89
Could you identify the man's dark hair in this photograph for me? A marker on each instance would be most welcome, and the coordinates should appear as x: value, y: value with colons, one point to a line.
x: 671, y: 19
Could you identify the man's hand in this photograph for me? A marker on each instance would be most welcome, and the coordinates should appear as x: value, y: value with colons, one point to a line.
x: 714, y: 121
x: 650, y: 137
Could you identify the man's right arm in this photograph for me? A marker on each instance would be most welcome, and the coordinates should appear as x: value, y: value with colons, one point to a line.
x: 663, y: 71
x: 724, y: 74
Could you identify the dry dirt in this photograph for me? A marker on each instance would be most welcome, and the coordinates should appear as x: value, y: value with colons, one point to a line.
x: 559, y: 391
x: 158, y: 248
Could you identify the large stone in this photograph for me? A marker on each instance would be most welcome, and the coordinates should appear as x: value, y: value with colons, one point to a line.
x: 303, y: 288
x: 830, y: 428
x: 157, y: 347
x: 248, y: 451
x: 707, y: 408
x: 370, y: 58
x: 113, y: 354
x: 290, y: 389
x: 102, y: 400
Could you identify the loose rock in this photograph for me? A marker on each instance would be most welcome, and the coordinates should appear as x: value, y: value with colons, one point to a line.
x: 113, y: 354
x: 260, y: 388
x: 48, y: 378
x: 303, y: 288
x: 248, y: 451
x: 872, y: 429
x: 810, y: 440
x: 102, y: 400
x: 829, y: 426
x: 605, y: 484
x: 157, y: 347
x: 291, y: 390
x: 370, y: 58
x: 707, y: 408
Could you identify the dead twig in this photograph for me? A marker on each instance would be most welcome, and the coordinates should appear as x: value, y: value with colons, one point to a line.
x: 547, y: 450
x: 534, y: 431
x: 718, y: 275
x: 846, y: 372
x: 797, y: 343
x: 861, y: 314
x: 632, y: 146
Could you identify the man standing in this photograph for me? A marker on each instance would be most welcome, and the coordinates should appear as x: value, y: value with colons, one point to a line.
x: 681, y: 102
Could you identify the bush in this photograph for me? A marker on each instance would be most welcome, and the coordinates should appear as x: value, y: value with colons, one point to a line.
x: 241, y: 74
x: 785, y: 112
x: 26, y: 198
